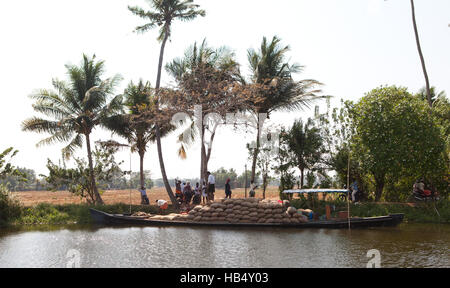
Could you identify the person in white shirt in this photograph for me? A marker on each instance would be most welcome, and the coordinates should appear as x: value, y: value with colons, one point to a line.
x: 211, y: 187
x: 162, y: 205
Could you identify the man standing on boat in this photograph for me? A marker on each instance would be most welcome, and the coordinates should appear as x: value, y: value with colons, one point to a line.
x: 211, y: 187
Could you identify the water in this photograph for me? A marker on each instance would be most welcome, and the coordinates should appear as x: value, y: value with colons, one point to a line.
x: 409, y: 245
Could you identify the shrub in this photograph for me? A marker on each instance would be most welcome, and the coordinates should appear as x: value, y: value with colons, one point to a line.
x: 10, y: 208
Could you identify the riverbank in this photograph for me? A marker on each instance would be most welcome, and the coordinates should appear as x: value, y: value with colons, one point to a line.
x: 49, y: 214
x: 430, y: 212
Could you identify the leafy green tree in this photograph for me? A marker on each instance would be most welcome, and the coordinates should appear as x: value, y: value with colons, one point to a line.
x: 306, y: 145
x: 162, y: 15
x: 77, y: 180
x: 395, y: 136
x: 222, y: 175
x: 77, y: 107
x: 6, y: 168
x: 271, y: 74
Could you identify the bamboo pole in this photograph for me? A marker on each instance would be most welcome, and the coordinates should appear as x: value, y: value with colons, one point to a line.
x: 130, y: 181
x: 245, y: 173
x: 348, y: 191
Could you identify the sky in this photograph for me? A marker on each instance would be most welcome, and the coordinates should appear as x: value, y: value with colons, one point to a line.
x: 352, y: 46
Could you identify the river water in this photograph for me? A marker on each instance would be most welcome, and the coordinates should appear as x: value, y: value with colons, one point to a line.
x: 409, y: 245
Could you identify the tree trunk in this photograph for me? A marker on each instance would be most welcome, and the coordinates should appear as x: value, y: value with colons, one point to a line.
x: 141, y: 169
x: 98, y: 198
x: 427, y: 82
x: 302, y: 176
x: 379, y: 185
x: 255, y: 152
x: 158, y: 131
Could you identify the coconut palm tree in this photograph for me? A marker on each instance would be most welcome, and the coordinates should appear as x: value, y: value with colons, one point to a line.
x: 269, y: 68
x: 77, y: 107
x: 138, y: 133
x: 200, y: 65
x: 162, y: 15
x: 306, y: 145
x: 422, y: 60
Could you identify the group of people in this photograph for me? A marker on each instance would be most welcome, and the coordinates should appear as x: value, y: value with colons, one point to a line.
x: 186, y: 195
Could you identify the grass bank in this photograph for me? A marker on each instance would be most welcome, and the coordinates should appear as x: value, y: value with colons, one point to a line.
x: 419, y: 212
x: 49, y: 214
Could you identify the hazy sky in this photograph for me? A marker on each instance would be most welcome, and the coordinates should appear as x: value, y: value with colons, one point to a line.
x: 352, y: 46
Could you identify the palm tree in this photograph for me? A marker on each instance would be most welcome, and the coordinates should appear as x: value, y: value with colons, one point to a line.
x: 200, y: 65
x: 422, y: 60
x: 269, y: 68
x: 422, y: 94
x: 306, y: 145
x: 77, y: 107
x: 138, y: 133
x: 163, y: 13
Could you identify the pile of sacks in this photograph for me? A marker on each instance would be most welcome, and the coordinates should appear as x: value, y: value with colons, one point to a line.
x: 250, y: 210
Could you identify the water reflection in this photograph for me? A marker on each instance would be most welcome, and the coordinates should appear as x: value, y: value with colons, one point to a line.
x: 406, y: 246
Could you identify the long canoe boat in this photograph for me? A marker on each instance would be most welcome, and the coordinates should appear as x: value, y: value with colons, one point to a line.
x: 103, y: 218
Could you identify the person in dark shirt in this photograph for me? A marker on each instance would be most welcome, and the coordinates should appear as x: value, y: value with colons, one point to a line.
x: 227, y: 189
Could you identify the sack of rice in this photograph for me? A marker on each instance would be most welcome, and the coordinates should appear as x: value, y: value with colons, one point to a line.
x: 291, y: 210
x: 228, y: 201
x: 277, y: 216
x: 261, y: 220
x: 207, y: 214
x: 192, y: 212
x: 197, y: 208
x: 245, y: 212
x: 253, y: 214
x: 228, y: 211
x: 270, y: 220
x: 205, y: 209
x: 277, y: 211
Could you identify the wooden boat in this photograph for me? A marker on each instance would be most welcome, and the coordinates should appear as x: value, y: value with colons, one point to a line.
x: 103, y: 218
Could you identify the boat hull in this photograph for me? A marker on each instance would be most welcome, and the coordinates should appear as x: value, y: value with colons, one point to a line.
x: 103, y: 218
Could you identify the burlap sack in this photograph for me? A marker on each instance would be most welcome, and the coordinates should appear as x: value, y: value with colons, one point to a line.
x: 253, y: 214
x: 215, y: 214
x: 291, y: 210
x: 206, y: 209
x: 277, y: 211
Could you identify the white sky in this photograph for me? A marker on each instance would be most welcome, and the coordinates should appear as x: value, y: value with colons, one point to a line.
x: 352, y: 46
